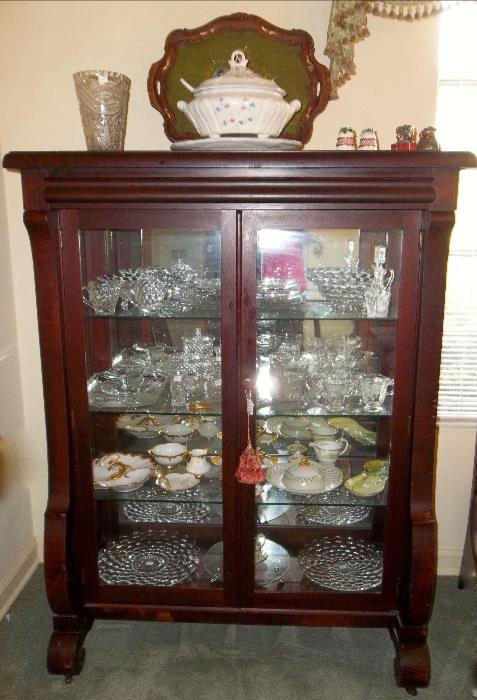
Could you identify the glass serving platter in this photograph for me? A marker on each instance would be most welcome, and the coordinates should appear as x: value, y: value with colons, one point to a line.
x: 343, y: 564
x: 148, y: 559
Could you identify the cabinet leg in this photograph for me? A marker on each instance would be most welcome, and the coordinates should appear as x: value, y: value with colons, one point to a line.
x: 66, y: 653
x: 412, y: 665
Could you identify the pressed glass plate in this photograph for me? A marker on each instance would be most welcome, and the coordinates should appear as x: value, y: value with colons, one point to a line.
x: 343, y: 564
x: 146, y: 559
x: 336, y: 507
x: 166, y: 512
x: 331, y: 515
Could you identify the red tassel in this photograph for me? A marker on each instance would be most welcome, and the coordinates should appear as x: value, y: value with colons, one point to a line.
x: 250, y: 469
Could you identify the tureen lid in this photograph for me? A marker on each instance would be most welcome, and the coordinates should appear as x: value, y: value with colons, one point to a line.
x: 238, y: 76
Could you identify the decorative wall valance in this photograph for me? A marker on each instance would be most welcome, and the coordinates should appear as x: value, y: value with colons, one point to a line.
x: 349, y: 24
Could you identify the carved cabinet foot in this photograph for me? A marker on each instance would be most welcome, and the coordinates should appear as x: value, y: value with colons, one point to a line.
x: 66, y: 653
x: 412, y: 665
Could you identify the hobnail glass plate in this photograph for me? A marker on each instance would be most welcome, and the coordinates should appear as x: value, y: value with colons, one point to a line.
x: 343, y: 564
x: 144, y: 559
x: 166, y: 512
x: 338, y: 507
x: 331, y: 515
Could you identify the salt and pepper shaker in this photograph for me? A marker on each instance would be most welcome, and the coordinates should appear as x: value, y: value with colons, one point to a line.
x: 368, y: 140
x: 406, y: 136
x: 346, y: 139
x: 427, y: 140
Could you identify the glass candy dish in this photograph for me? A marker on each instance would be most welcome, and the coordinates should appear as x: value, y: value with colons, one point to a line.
x: 123, y: 387
x: 279, y: 292
x: 342, y: 288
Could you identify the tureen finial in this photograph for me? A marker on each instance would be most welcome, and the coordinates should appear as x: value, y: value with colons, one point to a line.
x: 238, y: 61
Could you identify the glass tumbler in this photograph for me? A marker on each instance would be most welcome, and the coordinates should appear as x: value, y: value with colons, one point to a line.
x: 339, y: 388
x: 102, y: 294
x: 373, y: 390
x: 103, y: 98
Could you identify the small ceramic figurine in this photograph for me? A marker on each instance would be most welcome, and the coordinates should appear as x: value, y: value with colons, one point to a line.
x: 368, y: 140
x: 427, y: 140
x: 406, y: 136
x: 346, y: 140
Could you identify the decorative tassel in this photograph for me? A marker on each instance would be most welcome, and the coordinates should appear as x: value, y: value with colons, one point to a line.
x: 250, y: 469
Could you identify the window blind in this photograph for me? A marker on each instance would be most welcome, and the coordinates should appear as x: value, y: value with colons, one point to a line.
x: 456, y: 122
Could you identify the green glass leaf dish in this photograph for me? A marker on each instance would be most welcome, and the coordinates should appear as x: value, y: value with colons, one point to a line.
x: 365, y: 484
x: 355, y: 430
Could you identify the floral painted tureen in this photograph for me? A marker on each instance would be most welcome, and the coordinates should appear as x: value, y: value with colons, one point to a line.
x: 238, y: 103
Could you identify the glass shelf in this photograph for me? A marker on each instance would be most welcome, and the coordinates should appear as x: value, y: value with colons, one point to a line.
x: 271, y: 495
x: 208, y: 490
x: 307, y: 312
x: 159, y: 409
x: 286, y: 409
x: 314, y: 311
x: 212, y: 314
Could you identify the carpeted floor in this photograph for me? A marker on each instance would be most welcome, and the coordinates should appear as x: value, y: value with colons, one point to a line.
x: 151, y: 661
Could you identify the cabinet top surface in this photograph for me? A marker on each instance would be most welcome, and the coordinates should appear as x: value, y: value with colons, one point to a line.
x: 20, y: 160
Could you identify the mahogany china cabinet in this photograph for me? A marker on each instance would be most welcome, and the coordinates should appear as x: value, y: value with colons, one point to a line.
x: 184, y: 297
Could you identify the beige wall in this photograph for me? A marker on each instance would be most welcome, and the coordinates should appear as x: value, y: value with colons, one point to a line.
x: 17, y: 544
x: 43, y: 43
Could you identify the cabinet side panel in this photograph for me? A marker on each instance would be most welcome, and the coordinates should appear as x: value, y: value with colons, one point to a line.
x: 422, y: 572
x: 45, y: 237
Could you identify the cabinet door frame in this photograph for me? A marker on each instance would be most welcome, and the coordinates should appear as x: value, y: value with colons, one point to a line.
x: 82, y: 536
x: 397, y: 516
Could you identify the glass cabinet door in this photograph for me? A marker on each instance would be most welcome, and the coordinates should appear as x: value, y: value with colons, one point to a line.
x: 327, y: 327
x: 152, y: 328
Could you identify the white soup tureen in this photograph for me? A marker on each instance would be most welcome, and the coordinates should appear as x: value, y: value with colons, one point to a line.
x: 238, y: 103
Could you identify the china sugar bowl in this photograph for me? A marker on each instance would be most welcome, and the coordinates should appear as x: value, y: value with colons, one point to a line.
x: 303, y: 476
x: 208, y: 427
x: 178, y: 432
x: 168, y: 454
x: 198, y: 463
x: 122, y: 471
